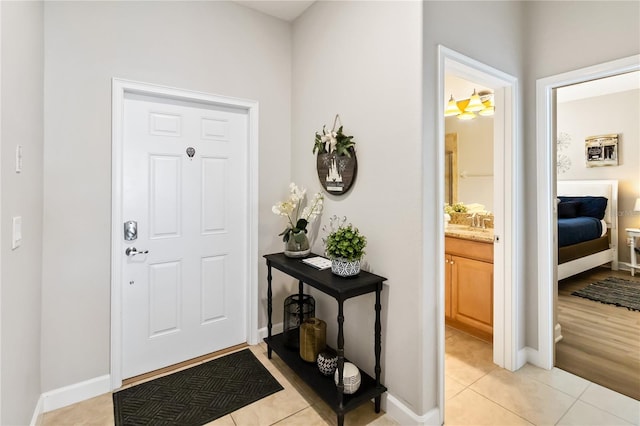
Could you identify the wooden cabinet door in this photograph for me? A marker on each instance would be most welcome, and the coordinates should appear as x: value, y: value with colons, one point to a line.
x: 472, y: 292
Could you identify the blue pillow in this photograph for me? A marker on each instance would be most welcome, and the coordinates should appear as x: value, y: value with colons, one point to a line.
x: 589, y: 206
x: 568, y: 209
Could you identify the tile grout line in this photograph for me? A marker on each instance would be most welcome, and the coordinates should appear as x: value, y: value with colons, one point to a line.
x: 606, y: 411
x: 501, y: 406
x: 567, y: 411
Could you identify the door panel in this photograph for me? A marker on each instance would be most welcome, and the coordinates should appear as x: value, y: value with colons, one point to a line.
x: 185, y: 182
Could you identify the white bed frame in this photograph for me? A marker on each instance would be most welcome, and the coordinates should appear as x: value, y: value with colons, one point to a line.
x: 604, y: 188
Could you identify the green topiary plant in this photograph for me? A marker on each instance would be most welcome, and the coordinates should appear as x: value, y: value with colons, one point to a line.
x: 344, y: 241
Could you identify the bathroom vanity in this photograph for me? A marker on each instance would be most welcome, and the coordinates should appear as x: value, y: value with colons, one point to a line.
x: 469, y: 280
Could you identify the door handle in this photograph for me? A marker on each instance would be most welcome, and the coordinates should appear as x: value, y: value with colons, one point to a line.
x: 132, y: 251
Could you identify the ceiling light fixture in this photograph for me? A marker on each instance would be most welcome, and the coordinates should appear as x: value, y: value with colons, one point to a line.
x: 466, y: 109
x: 452, y: 108
x: 475, y: 104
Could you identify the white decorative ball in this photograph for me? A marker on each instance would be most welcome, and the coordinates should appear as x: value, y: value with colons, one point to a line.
x: 350, y: 378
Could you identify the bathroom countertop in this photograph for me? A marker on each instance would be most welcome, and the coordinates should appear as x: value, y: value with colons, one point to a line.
x: 468, y: 233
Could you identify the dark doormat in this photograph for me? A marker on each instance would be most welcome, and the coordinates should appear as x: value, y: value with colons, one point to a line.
x: 613, y: 291
x: 197, y: 395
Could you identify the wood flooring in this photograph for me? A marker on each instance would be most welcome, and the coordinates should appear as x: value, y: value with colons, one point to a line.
x: 601, y: 343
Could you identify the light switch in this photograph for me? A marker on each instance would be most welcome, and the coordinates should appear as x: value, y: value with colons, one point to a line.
x: 18, y: 158
x: 17, y: 232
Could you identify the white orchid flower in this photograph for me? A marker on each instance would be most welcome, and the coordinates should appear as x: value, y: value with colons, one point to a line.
x: 329, y: 140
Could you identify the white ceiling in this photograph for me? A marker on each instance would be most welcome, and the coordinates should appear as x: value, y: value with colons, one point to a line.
x: 287, y: 10
x: 603, y: 86
x: 459, y: 87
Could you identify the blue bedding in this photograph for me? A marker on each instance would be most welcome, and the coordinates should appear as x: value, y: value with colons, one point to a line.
x: 578, y: 229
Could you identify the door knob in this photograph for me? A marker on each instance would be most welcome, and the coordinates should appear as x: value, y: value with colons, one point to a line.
x: 132, y: 251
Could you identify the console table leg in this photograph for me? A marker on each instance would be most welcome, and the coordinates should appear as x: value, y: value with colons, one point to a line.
x: 269, y: 309
x: 340, y: 351
x: 378, y: 344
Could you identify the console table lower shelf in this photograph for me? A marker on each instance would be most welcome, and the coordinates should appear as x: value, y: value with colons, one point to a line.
x: 323, y: 385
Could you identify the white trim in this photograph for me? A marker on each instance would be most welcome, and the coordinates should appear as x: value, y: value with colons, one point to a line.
x: 1, y: 284
x: 119, y: 88
x: 402, y: 414
x: 508, y: 178
x: 275, y: 329
x: 546, y: 180
x: 36, y: 418
x: 74, y: 393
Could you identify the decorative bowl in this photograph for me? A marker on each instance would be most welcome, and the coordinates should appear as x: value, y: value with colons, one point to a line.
x: 327, y: 363
x: 350, y: 377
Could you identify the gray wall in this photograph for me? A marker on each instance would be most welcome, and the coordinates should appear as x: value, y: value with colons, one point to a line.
x: 367, y: 69
x: 214, y: 47
x: 21, y: 123
x: 500, y: 47
x: 561, y: 37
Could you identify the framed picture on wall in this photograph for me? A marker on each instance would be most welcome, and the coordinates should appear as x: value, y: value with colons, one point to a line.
x: 601, y: 150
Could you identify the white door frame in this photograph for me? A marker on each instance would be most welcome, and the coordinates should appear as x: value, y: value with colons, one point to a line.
x: 507, y: 321
x: 546, y: 184
x: 119, y: 88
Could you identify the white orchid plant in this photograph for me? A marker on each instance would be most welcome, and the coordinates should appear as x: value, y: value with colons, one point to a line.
x: 332, y: 141
x: 297, y: 216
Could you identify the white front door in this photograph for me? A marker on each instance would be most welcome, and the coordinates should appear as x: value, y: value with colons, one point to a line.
x: 185, y: 185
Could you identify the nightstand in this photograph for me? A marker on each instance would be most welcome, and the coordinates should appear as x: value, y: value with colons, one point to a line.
x: 633, y: 233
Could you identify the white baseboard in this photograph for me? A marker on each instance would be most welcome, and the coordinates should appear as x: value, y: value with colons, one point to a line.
x: 523, y: 357
x: 36, y: 419
x: 402, y: 414
x: 532, y: 356
x: 58, y: 398
x: 275, y: 329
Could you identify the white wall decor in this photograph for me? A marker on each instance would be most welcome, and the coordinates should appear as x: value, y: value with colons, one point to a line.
x: 563, y: 162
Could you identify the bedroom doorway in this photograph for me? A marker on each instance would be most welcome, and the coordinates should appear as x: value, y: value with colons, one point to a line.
x: 548, y: 135
x: 595, y: 341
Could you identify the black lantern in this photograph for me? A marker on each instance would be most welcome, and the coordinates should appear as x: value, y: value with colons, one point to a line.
x: 296, y: 310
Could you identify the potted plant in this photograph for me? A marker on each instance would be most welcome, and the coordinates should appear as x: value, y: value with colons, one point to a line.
x: 295, y: 234
x: 457, y: 212
x: 345, y: 247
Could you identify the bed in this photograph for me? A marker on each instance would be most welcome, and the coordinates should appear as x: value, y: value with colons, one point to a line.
x: 587, y: 225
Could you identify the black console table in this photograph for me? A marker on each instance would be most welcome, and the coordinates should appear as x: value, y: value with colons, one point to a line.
x: 340, y: 289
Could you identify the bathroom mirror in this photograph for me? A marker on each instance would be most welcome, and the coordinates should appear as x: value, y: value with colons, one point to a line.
x: 451, y: 168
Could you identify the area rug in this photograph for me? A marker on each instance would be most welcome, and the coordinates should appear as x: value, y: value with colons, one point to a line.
x: 613, y: 291
x: 197, y: 395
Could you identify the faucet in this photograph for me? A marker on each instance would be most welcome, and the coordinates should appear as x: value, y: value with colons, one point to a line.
x: 479, y: 221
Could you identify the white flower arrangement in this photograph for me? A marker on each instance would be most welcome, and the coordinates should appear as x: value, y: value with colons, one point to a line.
x: 291, y: 208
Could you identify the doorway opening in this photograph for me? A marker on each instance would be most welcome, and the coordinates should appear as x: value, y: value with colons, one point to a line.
x: 506, y: 180
x: 590, y: 338
x: 546, y: 182
x: 211, y: 130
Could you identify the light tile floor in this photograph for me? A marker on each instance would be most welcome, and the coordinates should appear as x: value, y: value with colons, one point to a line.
x: 479, y: 393
x: 476, y: 393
